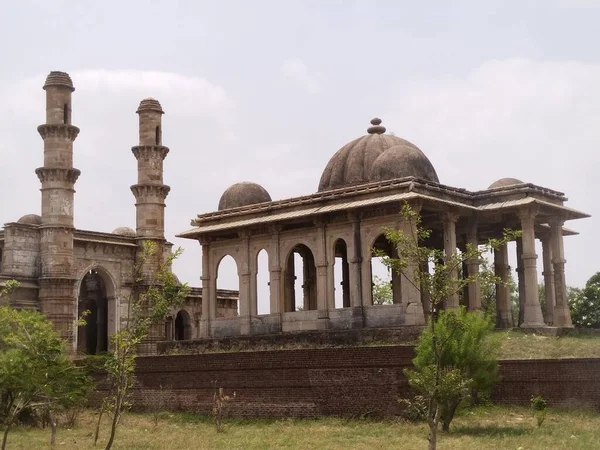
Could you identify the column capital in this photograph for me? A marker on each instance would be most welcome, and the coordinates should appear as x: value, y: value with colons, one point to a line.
x: 451, y: 217
x: 528, y: 213
x: 205, y: 241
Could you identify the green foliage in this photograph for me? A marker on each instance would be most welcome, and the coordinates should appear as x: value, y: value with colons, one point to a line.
x: 154, y: 296
x: 35, y: 370
x: 382, y: 291
x: 468, y: 359
x: 585, y: 303
x: 539, y: 405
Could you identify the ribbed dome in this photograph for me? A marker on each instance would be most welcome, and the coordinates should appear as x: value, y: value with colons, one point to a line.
x: 243, y: 194
x: 125, y: 231
x: 30, y: 219
x: 504, y: 182
x: 150, y: 104
x: 56, y: 78
x: 376, y: 157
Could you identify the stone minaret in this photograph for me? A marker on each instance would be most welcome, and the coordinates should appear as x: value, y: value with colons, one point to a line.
x: 57, y: 295
x: 150, y: 192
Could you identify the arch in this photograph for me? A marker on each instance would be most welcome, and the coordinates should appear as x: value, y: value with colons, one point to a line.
x: 385, y: 284
x: 227, y: 277
x: 302, y: 295
x: 96, y: 294
x: 262, y: 292
x: 341, y: 271
x: 183, y: 326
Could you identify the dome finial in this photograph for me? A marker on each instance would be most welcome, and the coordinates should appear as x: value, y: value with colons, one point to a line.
x: 376, y: 127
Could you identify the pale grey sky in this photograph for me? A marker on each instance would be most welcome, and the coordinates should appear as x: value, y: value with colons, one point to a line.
x: 267, y: 91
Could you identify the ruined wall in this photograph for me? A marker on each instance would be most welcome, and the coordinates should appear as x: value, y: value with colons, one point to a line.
x: 337, y: 382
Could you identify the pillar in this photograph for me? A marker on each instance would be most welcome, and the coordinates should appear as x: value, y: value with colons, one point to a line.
x: 450, y: 220
x: 58, y: 300
x: 409, y: 284
x: 532, y: 315
x: 355, y: 272
x: 289, y: 281
x: 562, y: 315
x: 504, y: 318
x: 520, y: 280
x: 425, y: 295
x: 245, y: 316
x: 474, y: 287
x: 275, y: 273
x: 204, y: 331
x: 396, y: 287
x: 548, y: 274
x: 345, y: 281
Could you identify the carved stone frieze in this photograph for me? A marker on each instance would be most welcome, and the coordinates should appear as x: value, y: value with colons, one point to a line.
x: 47, y: 174
x: 58, y: 130
x: 150, y: 151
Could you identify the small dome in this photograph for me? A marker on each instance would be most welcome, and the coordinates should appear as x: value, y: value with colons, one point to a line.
x: 30, y: 219
x: 125, y: 231
x: 504, y: 182
x: 243, y: 194
x: 56, y: 78
x: 150, y: 104
x: 354, y: 163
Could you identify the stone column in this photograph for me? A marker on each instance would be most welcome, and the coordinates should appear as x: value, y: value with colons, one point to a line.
x: 396, y: 288
x: 289, y: 282
x: 322, y: 296
x: 425, y: 299
x: 355, y: 262
x: 411, y: 295
x: 548, y: 274
x: 204, y: 329
x: 504, y: 317
x: 244, y: 283
x: 276, y: 290
x: 562, y: 315
x: 345, y: 281
x: 520, y: 280
x: 532, y: 317
x: 450, y: 220
x: 474, y: 288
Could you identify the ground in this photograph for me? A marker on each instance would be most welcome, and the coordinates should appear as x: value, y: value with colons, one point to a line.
x: 483, y: 428
x: 517, y: 345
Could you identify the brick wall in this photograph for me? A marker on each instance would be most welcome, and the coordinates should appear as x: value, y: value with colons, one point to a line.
x: 338, y: 381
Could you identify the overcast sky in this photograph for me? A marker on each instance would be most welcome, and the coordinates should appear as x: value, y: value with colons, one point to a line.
x: 267, y: 91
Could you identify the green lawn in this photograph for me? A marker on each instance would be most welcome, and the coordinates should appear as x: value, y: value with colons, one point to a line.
x: 517, y: 345
x: 485, y: 428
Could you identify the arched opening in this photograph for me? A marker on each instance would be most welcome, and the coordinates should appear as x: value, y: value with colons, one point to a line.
x: 263, y: 285
x: 300, y: 280
x: 66, y: 118
x: 341, y: 271
x: 157, y: 135
x: 385, y: 283
x: 228, y: 279
x: 183, y: 326
x: 96, y: 297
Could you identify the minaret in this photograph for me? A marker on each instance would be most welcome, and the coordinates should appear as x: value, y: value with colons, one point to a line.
x: 150, y: 193
x: 57, y: 294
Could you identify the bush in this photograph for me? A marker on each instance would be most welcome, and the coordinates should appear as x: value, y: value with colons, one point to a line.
x: 585, y: 304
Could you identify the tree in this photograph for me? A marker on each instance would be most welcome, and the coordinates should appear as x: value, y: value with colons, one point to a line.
x: 35, y: 370
x: 439, y: 381
x: 148, y: 305
x: 382, y: 291
x: 585, y: 303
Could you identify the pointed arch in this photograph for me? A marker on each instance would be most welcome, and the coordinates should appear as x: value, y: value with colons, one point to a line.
x: 227, y: 277
x: 300, y: 280
x: 341, y: 271
x: 183, y: 326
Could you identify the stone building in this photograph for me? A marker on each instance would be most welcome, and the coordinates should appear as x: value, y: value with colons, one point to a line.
x: 63, y: 270
x: 362, y: 190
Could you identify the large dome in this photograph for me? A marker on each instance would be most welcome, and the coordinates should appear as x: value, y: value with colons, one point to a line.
x: 243, y: 194
x: 376, y: 157
x: 504, y: 182
x: 30, y: 219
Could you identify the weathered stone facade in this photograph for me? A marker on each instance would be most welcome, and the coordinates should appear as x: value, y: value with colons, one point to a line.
x: 64, y: 271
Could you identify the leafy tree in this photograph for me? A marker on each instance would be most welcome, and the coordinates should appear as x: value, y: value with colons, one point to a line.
x: 439, y: 378
x: 382, y: 291
x: 585, y: 303
x: 36, y: 372
x: 148, y: 306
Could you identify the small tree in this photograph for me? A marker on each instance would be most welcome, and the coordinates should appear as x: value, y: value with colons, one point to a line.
x: 147, y: 307
x: 35, y: 370
x: 220, y: 401
x: 439, y: 382
x: 585, y: 303
x: 382, y: 291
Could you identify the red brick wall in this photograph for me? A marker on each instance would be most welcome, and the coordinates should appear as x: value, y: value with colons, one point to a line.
x: 342, y: 382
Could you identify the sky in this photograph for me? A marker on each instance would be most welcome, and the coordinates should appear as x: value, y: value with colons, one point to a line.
x: 268, y: 91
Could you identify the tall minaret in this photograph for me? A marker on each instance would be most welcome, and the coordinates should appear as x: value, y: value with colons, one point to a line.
x: 57, y: 294
x: 150, y: 193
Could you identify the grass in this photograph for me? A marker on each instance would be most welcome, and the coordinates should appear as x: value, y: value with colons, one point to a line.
x: 483, y: 428
x: 517, y: 345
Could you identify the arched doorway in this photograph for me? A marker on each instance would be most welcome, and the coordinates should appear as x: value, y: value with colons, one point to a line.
x: 385, y: 282
x: 300, y: 265
x: 96, y: 296
x: 341, y: 271
x: 183, y: 327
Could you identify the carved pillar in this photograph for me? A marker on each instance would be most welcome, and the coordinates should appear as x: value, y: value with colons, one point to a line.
x: 356, y: 273
x: 204, y: 329
x: 411, y: 295
x: 450, y: 220
x: 474, y: 288
x: 322, y: 295
x: 562, y: 315
x: 244, y: 283
x: 532, y: 317
x: 504, y: 317
x: 520, y: 280
x: 275, y: 273
x: 548, y: 274
x: 396, y: 288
